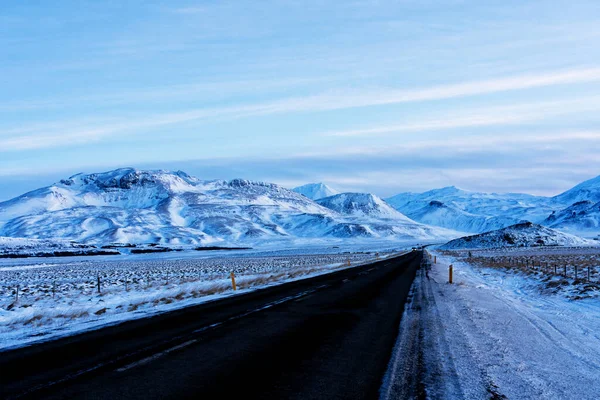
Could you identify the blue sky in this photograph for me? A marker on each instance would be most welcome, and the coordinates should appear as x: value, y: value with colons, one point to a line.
x: 380, y: 96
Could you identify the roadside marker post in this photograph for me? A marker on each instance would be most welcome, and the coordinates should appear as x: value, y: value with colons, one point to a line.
x: 233, y: 281
x: 349, y: 261
x: 435, y: 259
x: 450, y: 270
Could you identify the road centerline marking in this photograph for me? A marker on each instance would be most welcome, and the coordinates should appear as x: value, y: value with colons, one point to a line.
x: 156, y: 356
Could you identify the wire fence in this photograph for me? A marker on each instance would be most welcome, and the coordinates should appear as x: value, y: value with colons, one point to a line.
x: 577, y: 267
x: 91, y: 279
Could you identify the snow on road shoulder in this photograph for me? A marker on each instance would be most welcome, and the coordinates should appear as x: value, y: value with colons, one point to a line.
x: 492, y: 334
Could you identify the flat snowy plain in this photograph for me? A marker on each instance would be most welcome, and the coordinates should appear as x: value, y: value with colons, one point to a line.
x: 59, y: 296
x: 498, y: 333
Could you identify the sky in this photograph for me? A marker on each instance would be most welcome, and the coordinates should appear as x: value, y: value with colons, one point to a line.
x: 374, y: 96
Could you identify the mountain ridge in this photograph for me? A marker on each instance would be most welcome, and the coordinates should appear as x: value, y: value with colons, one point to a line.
x: 519, y: 235
x: 136, y: 206
x: 315, y: 191
x: 489, y: 211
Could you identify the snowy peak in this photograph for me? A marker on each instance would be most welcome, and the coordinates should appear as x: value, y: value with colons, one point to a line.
x: 588, y: 190
x: 315, y: 191
x: 130, y: 178
x: 361, y: 204
x: 445, y: 191
x: 524, y: 234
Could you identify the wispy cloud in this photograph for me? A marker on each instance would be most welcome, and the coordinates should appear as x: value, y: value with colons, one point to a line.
x: 365, y: 98
x: 440, y: 92
x: 56, y: 136
x: 194, y: 90
x: 493, y: 116
x: 454, y: 144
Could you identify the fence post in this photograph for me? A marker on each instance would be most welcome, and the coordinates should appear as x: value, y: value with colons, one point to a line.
x: 575, y: 272
x: 565, y: 270
x: 588, y: 274
x: 233, y: 281
x: 450, y: 270
x: 98, y: 283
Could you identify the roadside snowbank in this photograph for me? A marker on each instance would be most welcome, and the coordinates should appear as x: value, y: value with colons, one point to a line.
x: 492, y: 334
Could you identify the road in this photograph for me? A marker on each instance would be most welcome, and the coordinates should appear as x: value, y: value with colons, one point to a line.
x: 327, y: 337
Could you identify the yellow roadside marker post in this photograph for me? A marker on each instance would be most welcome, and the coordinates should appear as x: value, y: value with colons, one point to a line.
x: 348, y: 261
x: 450, y: 273
x: 233, y: 281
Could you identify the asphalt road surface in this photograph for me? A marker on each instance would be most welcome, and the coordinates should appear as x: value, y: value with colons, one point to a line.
x: 328, y: 337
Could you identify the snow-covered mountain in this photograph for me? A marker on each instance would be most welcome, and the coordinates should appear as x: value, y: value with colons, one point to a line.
x: 585, y: 191
x: 581, y: 218
x: 382, y: 218
x: 131, y: 206
x: 315, y: 191
x: 437, y: 213
x: 474, y: 212
x: 520, y: 235
x: 361, y: 204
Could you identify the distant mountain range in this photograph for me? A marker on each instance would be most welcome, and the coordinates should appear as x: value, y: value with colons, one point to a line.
x: 576, y: 211
x: 132, y: 206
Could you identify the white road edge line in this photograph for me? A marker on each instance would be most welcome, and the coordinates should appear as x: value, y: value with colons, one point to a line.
x: 155, y: 356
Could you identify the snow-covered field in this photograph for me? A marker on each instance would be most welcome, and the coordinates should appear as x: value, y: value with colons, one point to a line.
x: 60, y: 296
x: 498, y: 332
x: 570, y: 271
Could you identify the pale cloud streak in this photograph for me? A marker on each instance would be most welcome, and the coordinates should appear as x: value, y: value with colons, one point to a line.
x: 455, y: 144
x: 366, y: 98
x: 506, y: 115
x: 56, y: 136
